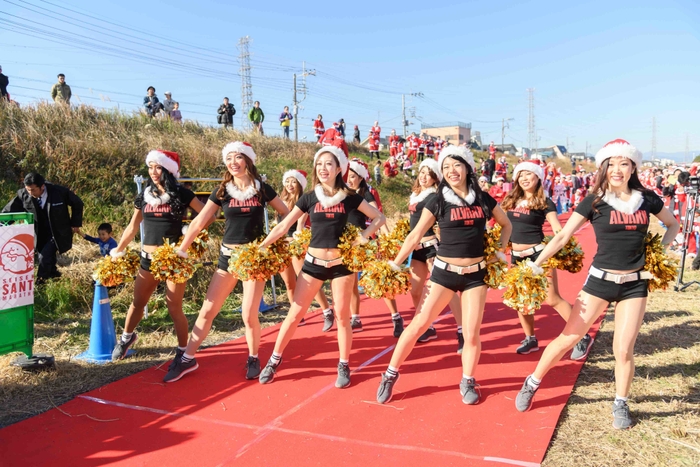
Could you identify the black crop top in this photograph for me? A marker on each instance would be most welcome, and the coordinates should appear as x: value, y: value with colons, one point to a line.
x: 159, y: 223
x: 620, y: 236
x: 416, y: 209
x: 355, y: 217
x: 527, y: 223
x: 461, y: 227
x: 327, y: 224
x: 245, y: 220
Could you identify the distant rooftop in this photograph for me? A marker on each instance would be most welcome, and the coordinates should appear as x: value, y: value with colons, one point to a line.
x: 424, y: 126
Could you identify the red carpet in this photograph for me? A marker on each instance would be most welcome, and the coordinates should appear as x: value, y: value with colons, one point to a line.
x: 215, y: 417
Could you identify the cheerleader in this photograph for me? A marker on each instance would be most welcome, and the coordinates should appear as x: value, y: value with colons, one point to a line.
x: 527, y: 209
x: 294, y: 182
x: 328, y: 206
x: 461, y: 210
x: 618, y: 209
x: 243, y: 197
x: 357, y: 182
x: 423, y: 191
x: 161, y: 207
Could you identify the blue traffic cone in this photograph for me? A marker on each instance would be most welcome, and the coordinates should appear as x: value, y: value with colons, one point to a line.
x: 102, y: 335
x: 264, y: 306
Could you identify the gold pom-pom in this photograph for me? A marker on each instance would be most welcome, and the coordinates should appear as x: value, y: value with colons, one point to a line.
x: 300, y: 243
x: 111, y: 272
x: 658, y: 263
x: 198, y: 246
x: 355, y: 257
x: 525, y: 291
x: 495, y: 274
x: 569, y: 258
x: 492, y: 241
x: 401, y: 230
x: 249, y: 262
x: 166, y: 265
x: 380, y: 281
x: 495, y: 268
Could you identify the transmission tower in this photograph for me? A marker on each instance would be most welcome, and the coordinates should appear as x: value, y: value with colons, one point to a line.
x: 246, y: 81
x: 531, y: 139
x: 653, y: 138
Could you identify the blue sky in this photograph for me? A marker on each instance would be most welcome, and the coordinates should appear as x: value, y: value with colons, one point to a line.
x: 601, y: 70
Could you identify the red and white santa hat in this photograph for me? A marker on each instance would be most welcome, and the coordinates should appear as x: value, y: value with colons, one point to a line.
x: 299, y: 175
x: 360, y: 168
x: 459, y: 151
x: 618, y: 147
x: 169, y: 160
x: 433, y: 165
x: 528, y: 167
x: 238, y: 147
x: 339, y: 153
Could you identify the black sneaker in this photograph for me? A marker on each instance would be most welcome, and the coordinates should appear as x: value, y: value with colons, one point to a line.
x: 268, y: 373
x: 523, y: 401
x: 252, y: 368
x: 302, y: 322
x: 180, y: 369
x: 356, y: 324
x: 582, y: 348
x: 343, y: 380
x: 428, y: 335
x: 621, y: 416
x: 467, y: 388
x: 398, y: 326
x: 122, y: 347
x: 178, y: 356
x: 386, y: 387
x: 460, y: 343
x: 328, y: 322
x: 529, y: 344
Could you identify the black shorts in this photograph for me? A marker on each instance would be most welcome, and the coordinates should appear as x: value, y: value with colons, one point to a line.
x: 457, y: 282
x: 323, y: 274
x: 424, y: 254
x: 533, y: 257
x: 223, y: 262
x: 145, y: 264
x: 612, y: 292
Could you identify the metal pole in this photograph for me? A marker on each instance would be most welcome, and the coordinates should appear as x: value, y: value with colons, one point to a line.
x: 403, y: 115
x: 296, y: 127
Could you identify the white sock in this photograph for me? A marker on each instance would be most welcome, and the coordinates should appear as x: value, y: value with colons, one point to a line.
x: 532, y: 337
x: 187, y: 357
x: 328, y: 311
x: 181, y: 348
x: 392, y: 371
x: 466, y: 376
x: 344, y: 362
x: 254, y: 356
x: 459, y: 329
x: 276, y: 358
x: 533, y: 382
x: 126, y: 336
x: 620, y: 399
x: 355, y: 316
x: 395, y: 315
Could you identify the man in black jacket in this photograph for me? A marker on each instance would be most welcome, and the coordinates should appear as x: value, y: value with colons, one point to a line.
x: 54, y: 225
x: 4, y: 81
x: 226, y: 112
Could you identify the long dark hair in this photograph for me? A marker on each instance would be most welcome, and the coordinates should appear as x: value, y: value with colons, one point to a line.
x: 170, y: 184
x: 362, y: 189
x: 601, y: 183
x: 252, y: 173
x: 539, y: 201
x: 416, y: 188
x: 472, y: 183
x: 339, y: 182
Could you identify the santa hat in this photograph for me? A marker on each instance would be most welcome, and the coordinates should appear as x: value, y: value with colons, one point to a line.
x: 170, y: 161
x: 457, y: 151
x: 340, y: 154
x: 238, y: 147
x: 528, y: 167
x: 299, y: 175
x: 360, y: 168
x: 433, y: 165
x: 618, y: 147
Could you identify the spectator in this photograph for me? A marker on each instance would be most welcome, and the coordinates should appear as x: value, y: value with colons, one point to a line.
x: 54, y: 226
x: 226, y: 112
x: 378, y: 173
x: 257, y: 117
x: 356, y: 135
x: 285, y: 121
x: 4, y: 81
x: 104, y: 239
x: 60, y: 92
x: 341, y: 125
x: 151, y: 104
x: 175, y: 114
x: 319, y: 128
x: 484, y: 184
x: 168, y: 103
x: 497, y: 191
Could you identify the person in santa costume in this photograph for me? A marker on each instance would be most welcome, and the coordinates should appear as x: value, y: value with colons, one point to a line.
x: 373, y: 144
x: 619, y: 210
x: 393, y: 143
x: 294, y: 182
x: 161, y: 208
x: 391, y: 169
x: 376, y: 131
x: 319, y: 129
x: 329, y: 136
x: 243, y: 196
x: 412, y: 145
x: 328, y: 206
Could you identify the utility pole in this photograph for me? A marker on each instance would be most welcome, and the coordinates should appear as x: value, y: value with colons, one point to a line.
x: 295, y: 110
x: 246, y: 81
x: 585, y: 154
x: 653, y: 138
x: 302, y: 90
x: 531, y: 132
x: 403, y: 111
x: 504, y: 125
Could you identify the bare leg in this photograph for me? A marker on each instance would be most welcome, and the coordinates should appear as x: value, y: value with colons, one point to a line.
x: 341, y: 288
x: 173, y: 298
x: 419, y: 273
x: 252, y: 293
x: 144, y: 287
x: 473, y: 301
x: 221, y: 285
x: 629, y: 315
x: 304, y: 292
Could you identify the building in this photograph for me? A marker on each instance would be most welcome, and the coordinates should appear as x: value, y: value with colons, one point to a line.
x: 454, y: 132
